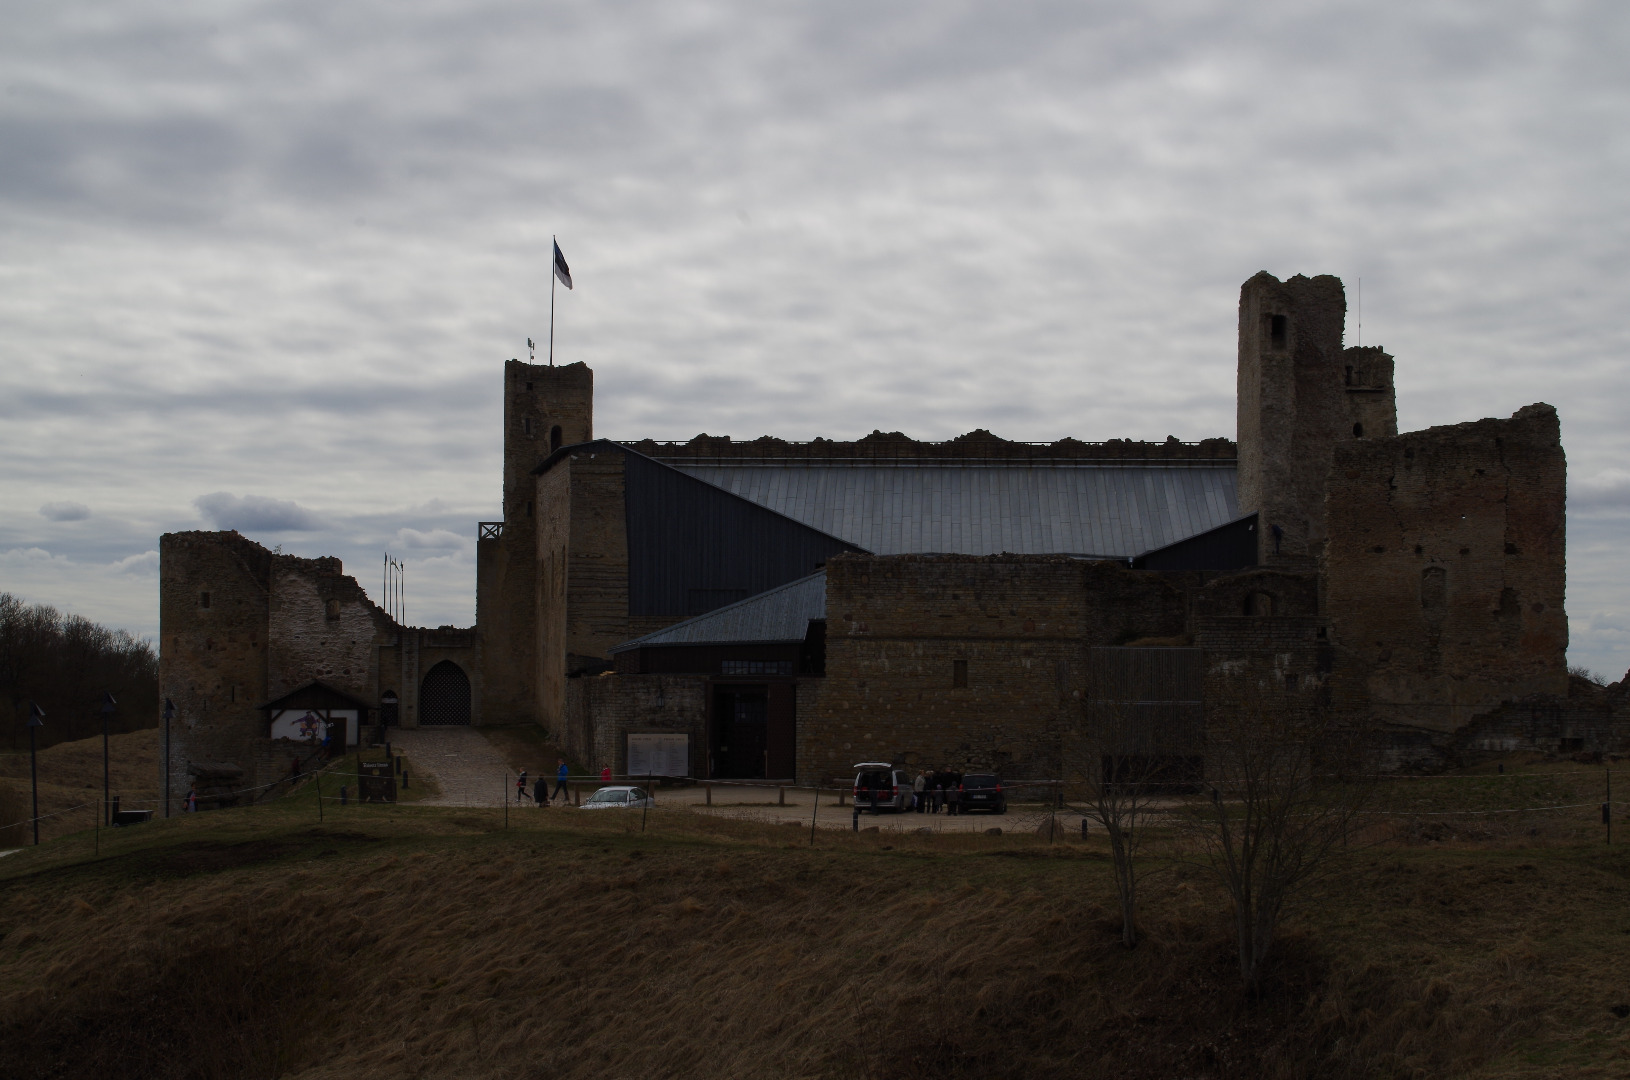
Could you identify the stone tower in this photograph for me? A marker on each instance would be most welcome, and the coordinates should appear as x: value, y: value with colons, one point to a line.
x: 545, y: 408
x: 1300, y: 393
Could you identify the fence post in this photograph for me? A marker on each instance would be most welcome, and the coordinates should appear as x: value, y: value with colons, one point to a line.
x: 780, y: 796
x: 708, y: 790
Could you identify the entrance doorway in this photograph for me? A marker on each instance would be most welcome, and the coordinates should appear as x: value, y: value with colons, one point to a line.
x: 444, y: 695
x: 738, y: 737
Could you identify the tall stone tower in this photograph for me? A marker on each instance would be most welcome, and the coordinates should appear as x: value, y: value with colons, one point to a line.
x: 1300, y: 393
x: 545, y: 408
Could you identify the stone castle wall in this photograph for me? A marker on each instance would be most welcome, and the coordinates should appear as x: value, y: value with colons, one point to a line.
x: 538, y: 400
x: 967, y: 661
x: 1445, y: 571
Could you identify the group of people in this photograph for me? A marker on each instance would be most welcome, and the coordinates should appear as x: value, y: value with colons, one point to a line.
x: 936, y: 788
x: 540, y: 795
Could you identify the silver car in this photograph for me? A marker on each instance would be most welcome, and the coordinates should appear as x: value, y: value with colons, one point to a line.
x: 618, y: 798
x: 880, y: 786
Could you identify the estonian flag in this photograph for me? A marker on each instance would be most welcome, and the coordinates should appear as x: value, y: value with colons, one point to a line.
x: 562, y: 271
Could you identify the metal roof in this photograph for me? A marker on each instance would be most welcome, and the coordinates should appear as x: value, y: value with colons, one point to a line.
x: 1101, y: 509
x: 780, y: 615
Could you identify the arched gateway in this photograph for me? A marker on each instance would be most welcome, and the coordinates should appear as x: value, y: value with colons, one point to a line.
x: 444, y: 695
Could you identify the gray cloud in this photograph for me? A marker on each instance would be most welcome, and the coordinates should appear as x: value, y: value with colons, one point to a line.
x: 256, y: 513
x: 65, y: 511
x: 288, y: 247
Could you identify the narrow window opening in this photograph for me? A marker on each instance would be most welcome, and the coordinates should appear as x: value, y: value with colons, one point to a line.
x: 203, y: 599
x: 554, y: 438
x: 1358, y: 431
x: 959, y: 673
x: 526, y: 425
x: 529, y: 388
x: 1349, y: 374
x: 1276, y: 330
x: 333, y: 609
x: 1292, y: 681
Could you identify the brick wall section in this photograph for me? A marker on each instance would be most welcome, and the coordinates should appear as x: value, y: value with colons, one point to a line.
x: 898, y: 625
x: 274, y: 622
x: 212, y: 660
x: 1445, y: 570
x: 537, y: 398
x: 602, y: 709
x: 890, y: 446
x: 1300, y: 395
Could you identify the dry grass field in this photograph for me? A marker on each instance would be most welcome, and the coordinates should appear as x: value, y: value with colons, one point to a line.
x: 412, y: 941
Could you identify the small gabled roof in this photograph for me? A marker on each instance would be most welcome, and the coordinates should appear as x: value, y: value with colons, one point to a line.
x: 315, y: 694
x: 778, y: 616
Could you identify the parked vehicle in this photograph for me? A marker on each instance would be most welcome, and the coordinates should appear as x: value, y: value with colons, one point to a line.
x: 981, y: 791
x: 618, y: 798
x: 891, y: 787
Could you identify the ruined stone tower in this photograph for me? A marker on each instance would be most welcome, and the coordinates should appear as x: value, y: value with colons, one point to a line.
x: 545, y: 408
x: 1300, y: 393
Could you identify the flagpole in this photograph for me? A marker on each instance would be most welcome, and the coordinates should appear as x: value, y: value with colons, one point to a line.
x: 553, y: 244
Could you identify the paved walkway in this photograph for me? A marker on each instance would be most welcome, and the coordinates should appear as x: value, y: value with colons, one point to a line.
x: 469, y: 769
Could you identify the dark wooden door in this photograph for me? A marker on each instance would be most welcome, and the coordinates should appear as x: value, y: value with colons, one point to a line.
x: 780, y: 735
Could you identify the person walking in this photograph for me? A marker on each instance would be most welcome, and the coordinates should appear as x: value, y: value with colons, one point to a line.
x: 917, y: 787
x: 540, y: 791
x: 560, y: 781
x: 520, y: 788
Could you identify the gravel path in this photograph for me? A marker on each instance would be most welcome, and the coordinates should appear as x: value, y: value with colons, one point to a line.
x: 469, y: 769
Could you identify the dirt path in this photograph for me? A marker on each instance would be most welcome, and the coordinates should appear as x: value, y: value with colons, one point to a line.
x: 469, y: 769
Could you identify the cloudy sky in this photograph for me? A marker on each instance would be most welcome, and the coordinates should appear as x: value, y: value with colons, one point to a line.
x: 260, y: 263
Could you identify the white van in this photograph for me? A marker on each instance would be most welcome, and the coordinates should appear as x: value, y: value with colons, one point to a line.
x: 882, y: 782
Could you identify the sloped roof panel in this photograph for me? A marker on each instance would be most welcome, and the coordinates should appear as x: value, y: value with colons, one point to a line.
x: 1025, y: 508
x: 781, y: 614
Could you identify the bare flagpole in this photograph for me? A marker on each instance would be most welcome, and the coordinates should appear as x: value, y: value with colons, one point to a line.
x: 553, y: 244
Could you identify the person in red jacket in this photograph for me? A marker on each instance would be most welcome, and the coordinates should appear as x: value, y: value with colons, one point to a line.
x: 605, y: 775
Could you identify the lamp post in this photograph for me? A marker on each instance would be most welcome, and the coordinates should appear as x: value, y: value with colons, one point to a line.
x: 108, y: 705
x: 169, y: 714
x: 36, y: 719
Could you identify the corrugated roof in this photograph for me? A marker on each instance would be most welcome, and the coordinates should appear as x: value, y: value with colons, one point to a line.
x: 781, y: 614
x: 1025, y: 508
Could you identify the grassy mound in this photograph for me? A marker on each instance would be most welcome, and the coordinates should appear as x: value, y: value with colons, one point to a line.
x: 420, y: 942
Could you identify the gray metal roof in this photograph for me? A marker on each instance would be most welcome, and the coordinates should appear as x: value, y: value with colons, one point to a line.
x: 781, y: 614
x: 1098, y: 509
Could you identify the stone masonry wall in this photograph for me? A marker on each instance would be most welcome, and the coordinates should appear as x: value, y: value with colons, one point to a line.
x: 212, y: 654
x: 903, y: 631
x: 1300, y: 394
x: 537, y: 399
x: 1445, y: 570
x: 603, y: 709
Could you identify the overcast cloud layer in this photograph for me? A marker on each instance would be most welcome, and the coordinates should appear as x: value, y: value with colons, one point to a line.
x: 260, y: 263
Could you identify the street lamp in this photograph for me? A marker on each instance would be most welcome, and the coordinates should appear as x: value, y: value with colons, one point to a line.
x: 108, y: 705
x: 36, y: 719
x: 169, y: 714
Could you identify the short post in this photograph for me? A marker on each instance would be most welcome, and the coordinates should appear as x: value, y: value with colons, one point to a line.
x: 780, y: 796
x: 814, y: 809
x: 843, y: 795
x: 36, y: 720
x: 108, y: 705
x: 1083, y: 828
x: 342, y: 795
x: 707, y: 789
x: 319, y: 794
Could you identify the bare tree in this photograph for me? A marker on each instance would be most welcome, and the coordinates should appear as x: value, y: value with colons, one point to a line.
x: 1284, y: 783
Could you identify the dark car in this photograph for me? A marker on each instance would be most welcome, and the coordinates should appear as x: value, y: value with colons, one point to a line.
x: 981, y: 791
